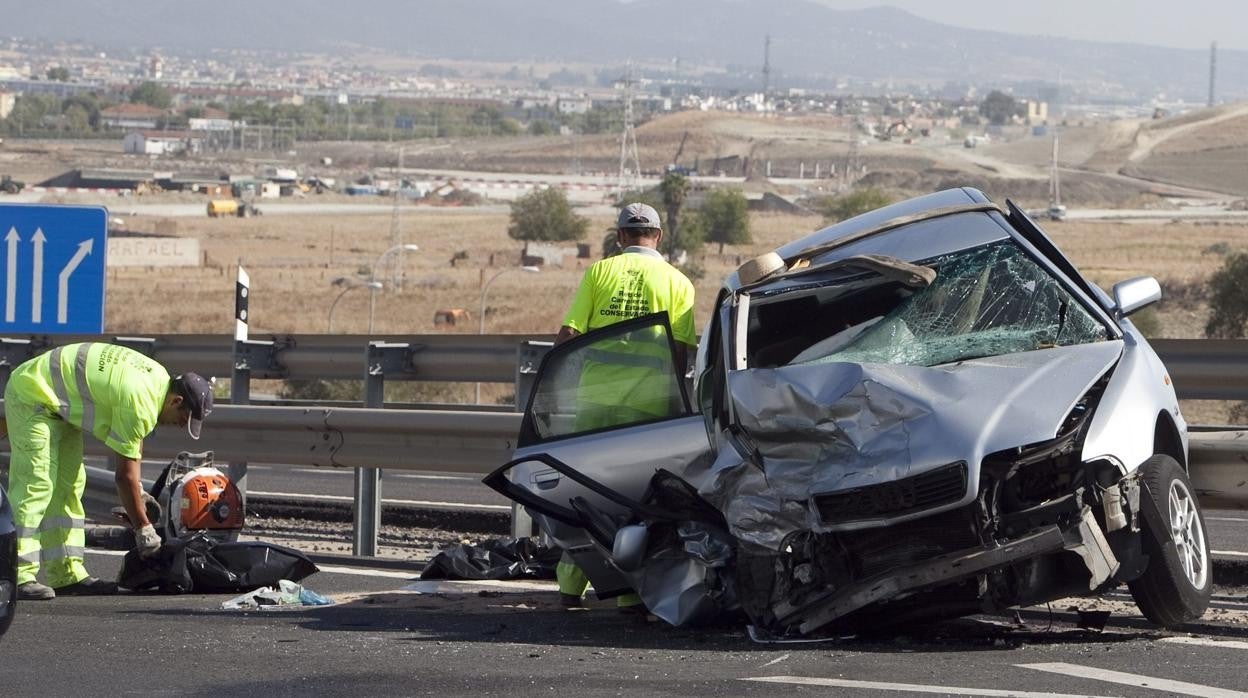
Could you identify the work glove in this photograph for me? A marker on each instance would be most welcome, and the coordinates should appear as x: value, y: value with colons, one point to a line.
x: 151, y: 507
x: 146, y: 541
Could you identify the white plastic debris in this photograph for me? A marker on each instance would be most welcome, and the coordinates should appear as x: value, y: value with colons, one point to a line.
x: 286, y: 594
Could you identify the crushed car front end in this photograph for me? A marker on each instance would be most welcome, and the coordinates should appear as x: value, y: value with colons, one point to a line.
x: 922, y: 412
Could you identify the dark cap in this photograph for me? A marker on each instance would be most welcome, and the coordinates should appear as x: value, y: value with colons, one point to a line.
x: 196, y: 392
x: 638, y: 216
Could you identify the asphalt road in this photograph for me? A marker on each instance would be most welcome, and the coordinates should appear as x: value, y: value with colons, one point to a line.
x: 380, y: 640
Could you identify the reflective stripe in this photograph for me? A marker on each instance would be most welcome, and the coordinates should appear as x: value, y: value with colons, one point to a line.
x: 52, y: 522
x: 58, y: 384
x: 84, y: 390
x: 27, y: 531
x: 31, y: 558
x: 62, y: 551
x: 622, y: 359
x: 80, y: 382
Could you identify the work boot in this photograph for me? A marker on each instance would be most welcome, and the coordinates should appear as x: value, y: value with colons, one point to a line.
x: 34, y: 591
x: 91, y: 586
x: 570, y: 600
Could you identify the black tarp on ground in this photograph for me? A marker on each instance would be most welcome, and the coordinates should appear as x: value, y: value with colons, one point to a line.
x: 201, y: 564
x: 499, y: 558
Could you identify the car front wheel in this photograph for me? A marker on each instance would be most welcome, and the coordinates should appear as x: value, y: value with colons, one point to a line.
x: 1176, y: 586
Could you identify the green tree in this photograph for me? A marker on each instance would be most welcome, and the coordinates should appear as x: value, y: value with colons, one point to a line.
x: 839, y: 208
x: 674, y: 189
x: 998, y: 107
x: 151, y: 94
x: 77, y: 119
x: 689, y: 236
x: 1228, y: 298
x: 545, y: 215
x: 58, y: 74
x: 727, y: 217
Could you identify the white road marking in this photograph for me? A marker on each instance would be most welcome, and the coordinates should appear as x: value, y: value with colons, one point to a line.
x: 777, y: 660
x: 1137, y: 680
x: 1224, y: 518
x: 473, y: 586
x: 911, y: 687
x: 350, y: 472
x: 1229, y: 553
x: 361, y: 572
x: 1206, y: 642
x: 406, y: 502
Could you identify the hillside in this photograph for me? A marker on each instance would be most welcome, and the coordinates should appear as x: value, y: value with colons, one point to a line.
x: 811, y: 44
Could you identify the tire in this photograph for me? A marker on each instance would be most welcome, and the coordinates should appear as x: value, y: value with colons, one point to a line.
x: 1176, y: 586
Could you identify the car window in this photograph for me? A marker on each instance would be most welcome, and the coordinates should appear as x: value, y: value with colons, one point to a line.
x: 612, y: 377
x: 985, y: 301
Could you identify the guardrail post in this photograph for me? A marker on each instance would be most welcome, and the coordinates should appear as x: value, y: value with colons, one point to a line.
x: 382, y: 357
x: 529, y: 356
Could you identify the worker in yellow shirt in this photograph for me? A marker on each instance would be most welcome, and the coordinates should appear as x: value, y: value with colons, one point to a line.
x: 614, y: 388
x: 119, y: 396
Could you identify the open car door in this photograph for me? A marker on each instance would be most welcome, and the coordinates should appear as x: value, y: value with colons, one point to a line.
x: 608, y: 409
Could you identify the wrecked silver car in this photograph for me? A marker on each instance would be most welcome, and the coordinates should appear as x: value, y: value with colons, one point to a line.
x: 919, y: 413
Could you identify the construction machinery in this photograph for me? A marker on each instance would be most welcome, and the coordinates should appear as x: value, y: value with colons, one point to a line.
x: 221, y: 208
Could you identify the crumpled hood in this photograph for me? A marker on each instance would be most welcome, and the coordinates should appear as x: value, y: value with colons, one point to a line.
x: 827, y: 427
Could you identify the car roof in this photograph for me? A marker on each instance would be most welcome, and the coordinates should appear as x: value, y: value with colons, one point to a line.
x: 910, y: 230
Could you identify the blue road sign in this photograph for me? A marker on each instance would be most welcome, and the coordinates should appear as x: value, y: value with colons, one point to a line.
x: 52, y: 269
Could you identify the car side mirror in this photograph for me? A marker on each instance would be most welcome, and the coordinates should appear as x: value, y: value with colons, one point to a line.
x: 628, y: 550
x: 1133, y: 294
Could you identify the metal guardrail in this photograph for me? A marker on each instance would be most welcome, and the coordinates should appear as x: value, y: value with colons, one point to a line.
x: 468, y: 439
x: 488, y: 358
x: 1202, y: 369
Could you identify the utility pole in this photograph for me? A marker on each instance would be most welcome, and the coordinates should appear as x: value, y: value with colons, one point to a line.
x: 766, y: 67
x: 1055, y: 187
x: 1213, y: 69
x: 396, y: 232
x: 630, y: 173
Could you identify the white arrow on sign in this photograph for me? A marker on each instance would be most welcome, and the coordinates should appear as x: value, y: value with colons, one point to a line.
x: 36, y: 282
x: 62, y: 289
x: 10, y: 291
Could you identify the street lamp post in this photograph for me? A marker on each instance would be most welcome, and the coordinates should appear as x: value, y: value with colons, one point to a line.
x: 372, y: 300
x: 485, y: 289
x: 348, y: 283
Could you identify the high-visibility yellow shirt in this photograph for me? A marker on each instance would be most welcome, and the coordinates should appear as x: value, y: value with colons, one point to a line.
x: 629, y: 378
x: 113, y: 392
x: 635, y: 283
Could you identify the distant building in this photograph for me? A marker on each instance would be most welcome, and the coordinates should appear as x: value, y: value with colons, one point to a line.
x: 130, y: 116
x: 161, y: 142
x: 8, y: 100
x: 574, y: 105
x: 1037, y: 112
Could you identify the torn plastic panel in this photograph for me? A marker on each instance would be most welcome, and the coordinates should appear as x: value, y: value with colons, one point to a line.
x: 985, y: 301
x: 675, y: 550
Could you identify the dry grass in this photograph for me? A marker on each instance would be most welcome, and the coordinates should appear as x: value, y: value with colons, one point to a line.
x: 293, y: 259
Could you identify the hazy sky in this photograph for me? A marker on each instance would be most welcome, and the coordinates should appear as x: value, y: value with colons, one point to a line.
x: 1175, y: 23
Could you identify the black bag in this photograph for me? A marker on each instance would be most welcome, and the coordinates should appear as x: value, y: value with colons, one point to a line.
x: 500, y: 558
x: 165, y: 571
x: 202, y: 564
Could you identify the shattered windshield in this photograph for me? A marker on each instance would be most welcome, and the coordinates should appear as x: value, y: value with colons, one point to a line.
x: 985, y: 301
